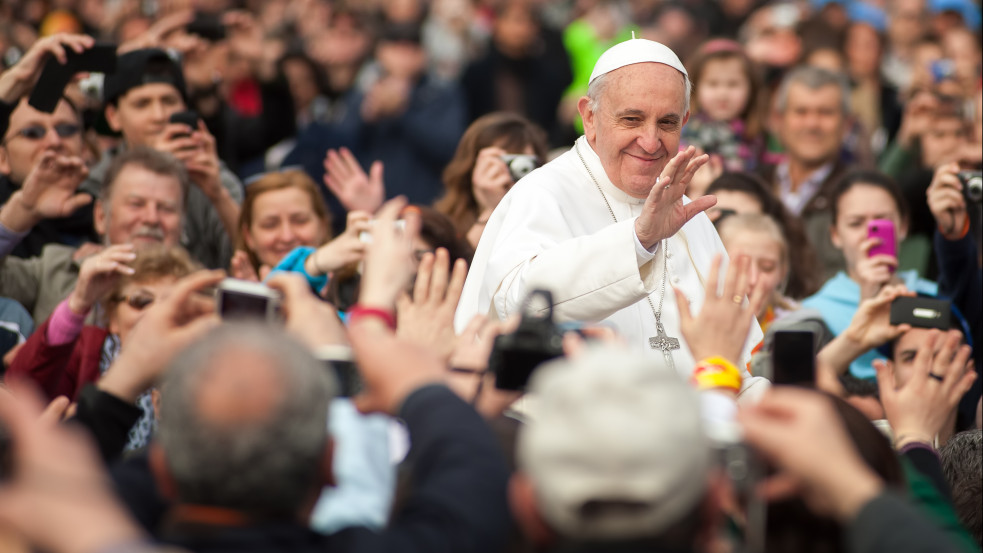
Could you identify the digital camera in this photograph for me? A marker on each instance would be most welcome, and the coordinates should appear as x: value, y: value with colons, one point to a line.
x: 520, y: 165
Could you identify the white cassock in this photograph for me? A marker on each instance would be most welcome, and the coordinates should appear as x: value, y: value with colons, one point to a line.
x: 554, y: 231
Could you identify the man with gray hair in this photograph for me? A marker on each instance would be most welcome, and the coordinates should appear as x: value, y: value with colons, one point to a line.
x: 813, y: 106
x: 605, y: 227
x: 243, y: 454
x: 141, y: 202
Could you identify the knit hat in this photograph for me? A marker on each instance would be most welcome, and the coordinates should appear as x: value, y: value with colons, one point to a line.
x: 140, y: 67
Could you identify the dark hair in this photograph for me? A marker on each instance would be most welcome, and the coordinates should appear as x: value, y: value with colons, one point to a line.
x: 438, y: 230
x: 513, y: 132
x: 793, y: 527
x: 867, y: 177
x: 962, y: 458
x: 152, y: 160
x: 317, y: 74
x: 804, y: 275
x: 723, y: 50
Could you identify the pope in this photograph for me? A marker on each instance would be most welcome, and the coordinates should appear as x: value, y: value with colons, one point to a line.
x: 606, y: 226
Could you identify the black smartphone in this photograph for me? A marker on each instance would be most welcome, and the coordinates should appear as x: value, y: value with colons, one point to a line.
x: 189, y: 118
x: 207, y: 26
x: 793, y: 357
x: 55, y: 76
x: 921, y: 312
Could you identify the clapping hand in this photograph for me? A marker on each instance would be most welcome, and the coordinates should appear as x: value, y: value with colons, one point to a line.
x: 345, y: 179
x: 919, y: 408
x: 722, y: 325
x: 427, y: 318
x: 20, y: 79
x: 664, y: 212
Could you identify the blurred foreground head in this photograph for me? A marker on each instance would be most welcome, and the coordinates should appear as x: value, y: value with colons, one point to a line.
x: 244, y: 424
x: 615, y: 453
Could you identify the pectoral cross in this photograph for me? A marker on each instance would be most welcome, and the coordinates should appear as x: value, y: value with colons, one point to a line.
x: 664, y: 342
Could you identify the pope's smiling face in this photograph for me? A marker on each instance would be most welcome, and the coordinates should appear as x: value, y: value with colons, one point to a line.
x: 636, y: 124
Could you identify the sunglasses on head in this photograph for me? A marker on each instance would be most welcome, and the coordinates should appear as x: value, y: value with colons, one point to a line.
x: 138, y: 301
x: 37, y: 132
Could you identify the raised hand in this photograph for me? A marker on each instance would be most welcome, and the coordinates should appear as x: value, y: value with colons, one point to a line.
x: 345, y: 179
x: 722, y: 325
x: 159, y: 32
x: 490, y: 179
x: 241, y: 268
x: 427, y: 318
x: 98, y: 275
x: 664, y: 212
x: 165, y: 329
x: 801, y: 434
x: 871, y: 325
x: 919, y: 408
x: 874, y: 272
x: 344, y: 249
x: 20, y: 79
x: 50, y: 191
x: 946, y: 201
x: 57, y: 496
x: 312, y: 320
x: 389, y: 259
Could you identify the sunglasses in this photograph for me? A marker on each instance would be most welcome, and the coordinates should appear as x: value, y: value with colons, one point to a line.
x: 138, y: 301
x: 37, y: 132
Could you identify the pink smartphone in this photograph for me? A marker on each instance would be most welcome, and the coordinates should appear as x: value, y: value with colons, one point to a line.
x: 884, y: 230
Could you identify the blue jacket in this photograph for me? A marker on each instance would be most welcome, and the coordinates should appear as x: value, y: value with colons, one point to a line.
x: 838, y: 300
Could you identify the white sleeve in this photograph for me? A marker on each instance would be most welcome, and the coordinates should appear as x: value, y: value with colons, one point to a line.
x: 591, y: 277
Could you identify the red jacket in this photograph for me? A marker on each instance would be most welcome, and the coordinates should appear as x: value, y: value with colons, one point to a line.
x: 64, y: 369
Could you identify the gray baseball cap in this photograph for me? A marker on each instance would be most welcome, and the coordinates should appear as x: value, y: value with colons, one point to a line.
x: 616, y: 448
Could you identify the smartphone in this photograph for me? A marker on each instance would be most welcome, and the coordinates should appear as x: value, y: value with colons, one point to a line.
x: 882, y: 229
x: 793, y: 357
x: 189, y: 118
x: 55, y: 76
x: 207, y: 26
x: 340, y: 362
x: 921, y: 312
x: 243, y: 299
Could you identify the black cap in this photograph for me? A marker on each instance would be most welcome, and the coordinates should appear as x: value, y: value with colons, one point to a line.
x: 140, y: 67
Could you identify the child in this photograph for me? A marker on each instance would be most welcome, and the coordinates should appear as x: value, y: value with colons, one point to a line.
x: 725, y: 109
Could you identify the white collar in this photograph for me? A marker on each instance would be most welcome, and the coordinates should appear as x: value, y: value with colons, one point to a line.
x: 597, y: 169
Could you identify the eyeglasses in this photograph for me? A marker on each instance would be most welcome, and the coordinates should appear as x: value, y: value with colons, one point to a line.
x: 37, y: 132
x: 138, y: 301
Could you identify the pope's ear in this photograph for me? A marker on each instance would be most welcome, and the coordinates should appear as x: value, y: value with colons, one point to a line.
x: 587, y: 114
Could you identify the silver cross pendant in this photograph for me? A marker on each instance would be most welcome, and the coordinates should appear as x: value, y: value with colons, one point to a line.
x: 662, y: 341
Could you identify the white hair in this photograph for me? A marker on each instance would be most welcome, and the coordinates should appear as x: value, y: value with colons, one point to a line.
x: 596, y: 89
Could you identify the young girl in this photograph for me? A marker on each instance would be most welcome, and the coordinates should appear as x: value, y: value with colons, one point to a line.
x: 725, y: 110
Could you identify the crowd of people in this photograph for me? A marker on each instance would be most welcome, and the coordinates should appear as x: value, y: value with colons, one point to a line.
x: 691, y: 182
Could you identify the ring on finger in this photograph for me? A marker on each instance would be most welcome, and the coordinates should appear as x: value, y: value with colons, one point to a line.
x: 738, y: 298
x: 934, y: 376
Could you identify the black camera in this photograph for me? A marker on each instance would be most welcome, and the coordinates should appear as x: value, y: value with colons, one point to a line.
x: 520, y: 165
x: 972, y: 185
x: 515, y: 356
